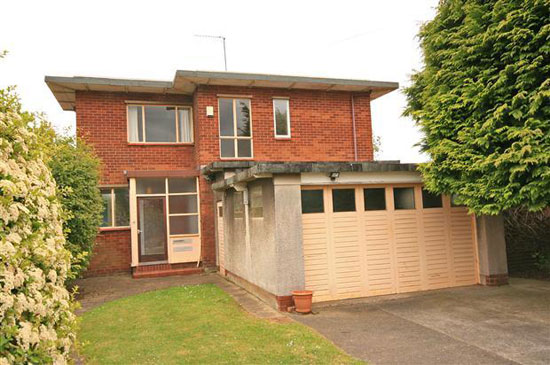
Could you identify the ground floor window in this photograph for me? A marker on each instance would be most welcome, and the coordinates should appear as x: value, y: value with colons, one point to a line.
x: 116, y: 212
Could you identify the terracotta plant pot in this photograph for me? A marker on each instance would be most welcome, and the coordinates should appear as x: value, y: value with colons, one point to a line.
x: 302, y: 300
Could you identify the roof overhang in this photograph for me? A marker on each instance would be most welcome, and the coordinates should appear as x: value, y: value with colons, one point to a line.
x: 185, y: 82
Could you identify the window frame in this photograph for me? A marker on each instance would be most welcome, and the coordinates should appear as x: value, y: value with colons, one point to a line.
x: 235, y: 138
x: 281, y: 136
x: 113, y: 225
x: 176, y: 107
x: 167, y: 194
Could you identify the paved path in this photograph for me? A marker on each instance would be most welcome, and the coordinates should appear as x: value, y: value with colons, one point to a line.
x: 470, y: 325
x: 98, y: 290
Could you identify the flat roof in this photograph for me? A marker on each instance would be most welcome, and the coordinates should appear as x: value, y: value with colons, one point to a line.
x: 262, y: 169
x: 185, y: 82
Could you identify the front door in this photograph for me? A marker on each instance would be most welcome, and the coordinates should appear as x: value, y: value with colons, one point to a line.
x: 152, y: 229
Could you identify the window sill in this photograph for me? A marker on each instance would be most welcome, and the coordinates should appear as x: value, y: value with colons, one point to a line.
x: 113, y: 229
x: 160, y: 144
x: 237, y: 158
x: 283, y: 138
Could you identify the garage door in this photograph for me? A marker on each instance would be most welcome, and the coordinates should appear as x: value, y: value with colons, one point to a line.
x: 375, y: 240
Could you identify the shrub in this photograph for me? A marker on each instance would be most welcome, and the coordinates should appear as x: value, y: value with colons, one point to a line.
x: 36, y: 310
x: 75, y: 169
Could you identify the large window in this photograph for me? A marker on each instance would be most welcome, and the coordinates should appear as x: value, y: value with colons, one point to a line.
x: 159, y: 124
x: 181, y: 198
x: 116, y: 212
x: 281, y: 111
x: 235, y: 128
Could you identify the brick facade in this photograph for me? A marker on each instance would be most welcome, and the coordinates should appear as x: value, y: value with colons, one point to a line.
x: 321, y: 130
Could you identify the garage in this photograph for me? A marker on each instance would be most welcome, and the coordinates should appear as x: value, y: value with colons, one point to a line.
x: 366, y: 240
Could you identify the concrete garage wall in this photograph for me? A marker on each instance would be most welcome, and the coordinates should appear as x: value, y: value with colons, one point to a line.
x: 265, y: 255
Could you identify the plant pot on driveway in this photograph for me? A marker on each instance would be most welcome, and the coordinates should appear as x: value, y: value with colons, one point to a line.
x: 302, y: 300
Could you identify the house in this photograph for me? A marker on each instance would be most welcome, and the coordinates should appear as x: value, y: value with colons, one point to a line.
x: 272, y: 180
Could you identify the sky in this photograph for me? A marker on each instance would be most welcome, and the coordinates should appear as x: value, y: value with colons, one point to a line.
x: 373, y: 40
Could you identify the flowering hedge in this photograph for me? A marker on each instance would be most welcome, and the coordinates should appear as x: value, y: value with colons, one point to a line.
x: 36, y: 310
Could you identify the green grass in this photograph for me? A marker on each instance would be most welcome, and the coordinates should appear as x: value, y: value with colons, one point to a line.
x: 196, y: 324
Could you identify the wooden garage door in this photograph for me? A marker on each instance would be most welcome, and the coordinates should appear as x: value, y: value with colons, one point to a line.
x: 376, y: 240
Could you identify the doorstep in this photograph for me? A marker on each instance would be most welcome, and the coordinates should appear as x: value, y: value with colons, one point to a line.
x: 161, y: 270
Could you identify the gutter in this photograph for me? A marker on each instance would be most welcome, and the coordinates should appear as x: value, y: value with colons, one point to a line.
x: 354, y: 129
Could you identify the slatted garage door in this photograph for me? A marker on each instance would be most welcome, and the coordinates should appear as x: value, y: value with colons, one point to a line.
x: 375, y: 240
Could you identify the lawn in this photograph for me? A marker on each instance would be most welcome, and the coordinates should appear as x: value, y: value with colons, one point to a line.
x: 196, y: 324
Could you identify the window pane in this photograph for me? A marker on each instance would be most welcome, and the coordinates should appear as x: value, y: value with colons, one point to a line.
x: 227, y: 147
x: 226, y: 117
x: 430, y: 200
x: 122, y: 207
x: 375, y: 199
x: 244, y: 148
x: 403, y: 198
x: 343, y: 200
x: 183, y: 204
x: 186, y: 224
x: 281, y: 117
x: 107, y: 216
x: 256, y: 202
x: 135, y: 123
x: 160, y: 124
x: 243, y: 117
x: 182, y: 185
x: 185, y: 125
x: 152, y: 185
x: 312, y: 201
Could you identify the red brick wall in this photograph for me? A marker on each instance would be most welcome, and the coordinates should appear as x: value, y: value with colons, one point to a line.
x: 321, y: 130
x: 111, y: 253
x: 321, y: 125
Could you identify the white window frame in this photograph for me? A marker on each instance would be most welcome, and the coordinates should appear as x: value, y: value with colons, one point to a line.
x: 113, y: 199
x: 176, y: 121
x: 167, y: 194
x: 285, y: 136
x: 236, y: 137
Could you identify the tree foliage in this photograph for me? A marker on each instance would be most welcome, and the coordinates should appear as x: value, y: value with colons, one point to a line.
x: 483, y: 103
x: 76, y: 170
x: 36, y: 310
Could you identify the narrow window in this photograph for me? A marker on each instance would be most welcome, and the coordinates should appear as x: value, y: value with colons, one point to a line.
x: 281, y: 111
x: 430, y: 200
x: 235, y: 128
x: 256, y: 202
x: 403, y: 198
x: 375, y: 198
x: 116, y: 204
x: 312, y: 201
x: 343, y: 200
x: 159, y: 124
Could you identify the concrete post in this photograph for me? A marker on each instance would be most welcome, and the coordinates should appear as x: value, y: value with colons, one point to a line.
x: 288, y: 234
x: 493, y: 266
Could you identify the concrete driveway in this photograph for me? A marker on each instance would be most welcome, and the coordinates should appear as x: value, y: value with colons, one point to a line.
x: 469, y: 325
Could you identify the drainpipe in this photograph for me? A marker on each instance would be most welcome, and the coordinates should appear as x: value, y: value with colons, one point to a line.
x: 354, y: 131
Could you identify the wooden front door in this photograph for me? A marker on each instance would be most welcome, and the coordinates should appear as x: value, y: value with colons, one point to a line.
x: 152, y: 229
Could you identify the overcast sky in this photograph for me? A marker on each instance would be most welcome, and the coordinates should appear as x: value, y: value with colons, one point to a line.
x: 374, y: 40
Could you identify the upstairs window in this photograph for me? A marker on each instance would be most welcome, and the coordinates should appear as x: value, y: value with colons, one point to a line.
x: 235, y: 128
x: 159, y: 124
x: 281, y: 111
